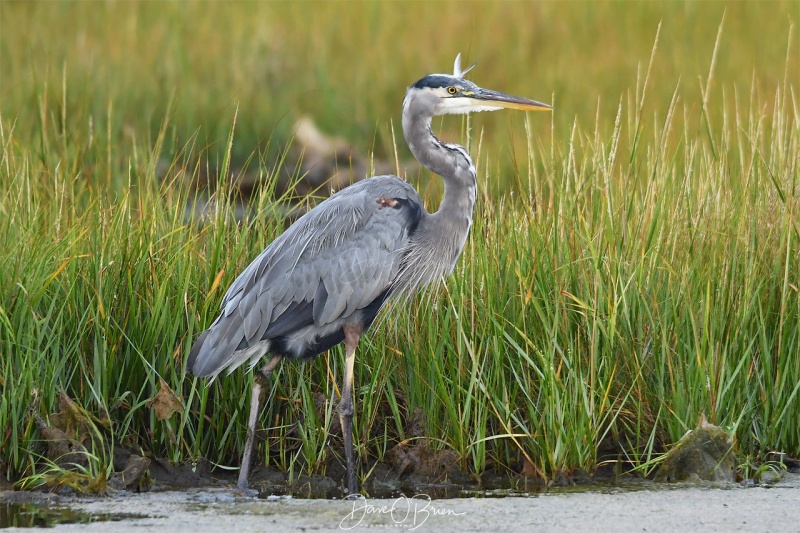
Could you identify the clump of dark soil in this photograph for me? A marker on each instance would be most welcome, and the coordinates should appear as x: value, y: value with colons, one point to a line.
x: 704, y: 454
x: 77, y: 443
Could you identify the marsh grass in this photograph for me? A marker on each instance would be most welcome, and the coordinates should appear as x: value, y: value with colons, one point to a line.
x: 622, y: 280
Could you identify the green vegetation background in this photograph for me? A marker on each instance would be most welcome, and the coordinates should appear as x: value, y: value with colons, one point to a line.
x: 634, y: 260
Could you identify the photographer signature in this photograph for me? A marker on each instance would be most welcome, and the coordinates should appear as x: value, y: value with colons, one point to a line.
x: 404, y: 512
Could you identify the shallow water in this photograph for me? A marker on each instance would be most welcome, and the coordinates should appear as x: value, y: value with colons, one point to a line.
x: 44, y: 515
x: 499, y: 487
x: 291, y: 506
x: 613, y: 506
x: 34, y: 514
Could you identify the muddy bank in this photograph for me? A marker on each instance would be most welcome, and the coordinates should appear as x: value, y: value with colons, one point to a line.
x: 647, y: 506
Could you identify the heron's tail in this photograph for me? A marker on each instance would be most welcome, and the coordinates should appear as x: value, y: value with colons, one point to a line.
x: 217, y: 349
x: 192, y: 363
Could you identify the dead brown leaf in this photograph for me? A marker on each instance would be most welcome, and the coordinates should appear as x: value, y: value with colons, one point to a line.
x: 166, y: 402
x: 530, y: 470
x: 73, y: 419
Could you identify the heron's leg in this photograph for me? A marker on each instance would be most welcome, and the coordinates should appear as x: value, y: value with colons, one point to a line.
x: 351, y: 335
x: 259, y: 383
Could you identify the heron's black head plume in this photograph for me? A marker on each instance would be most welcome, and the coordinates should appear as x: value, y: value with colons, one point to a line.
x: 438, y: 81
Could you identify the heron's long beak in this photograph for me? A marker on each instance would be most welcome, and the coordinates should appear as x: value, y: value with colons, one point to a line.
x: 485, y: 97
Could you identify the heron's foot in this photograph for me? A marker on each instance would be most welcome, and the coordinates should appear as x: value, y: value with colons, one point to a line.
x: 246, y: 491
x: 352, y: 489
x: 354, y: 496
x: 242, y: 485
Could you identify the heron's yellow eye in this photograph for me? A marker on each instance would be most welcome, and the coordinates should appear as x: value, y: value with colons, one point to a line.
x: 452, y: 90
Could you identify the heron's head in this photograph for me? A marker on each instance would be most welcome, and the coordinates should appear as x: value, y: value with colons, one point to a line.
x: 444, y: 94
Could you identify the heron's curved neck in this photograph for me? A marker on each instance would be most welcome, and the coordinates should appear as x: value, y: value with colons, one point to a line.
x: 450, y: 161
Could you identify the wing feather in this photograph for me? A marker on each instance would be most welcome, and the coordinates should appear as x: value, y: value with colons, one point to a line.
x: 335, y: 260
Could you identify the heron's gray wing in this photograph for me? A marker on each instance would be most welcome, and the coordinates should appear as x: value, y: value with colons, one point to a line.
x: 332, y: 262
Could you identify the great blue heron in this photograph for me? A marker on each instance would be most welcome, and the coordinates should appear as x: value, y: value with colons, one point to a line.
x: 325, y: 278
